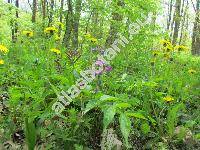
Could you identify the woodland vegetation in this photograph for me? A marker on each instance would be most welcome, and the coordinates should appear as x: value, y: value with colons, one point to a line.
x: 146, y: 98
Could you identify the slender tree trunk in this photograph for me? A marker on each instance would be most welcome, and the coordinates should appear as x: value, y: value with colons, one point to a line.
x: 51, y: 12
x: 69, y: 23
x: 78, y: 7
x: 184, y: 11
x: 34, y: 10
x: 12, y: 25
x: 170, y: 15
x: 15, y: 24
x: 61, y: 10
x: 43, y: 9
x: 113, y: 28
x: 177, y: 21
x: 196, y: 32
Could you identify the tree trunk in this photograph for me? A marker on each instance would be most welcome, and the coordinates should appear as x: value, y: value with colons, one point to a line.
x: 34, y: 10
x: 170, y: 15
x: 196, y: 32
x: 184, y: 11
x: 14, y: 24
x: 69, y: 20
x: 177, y: 19
x: 43, y: 9
x: 51, y: 12
x: 113, y: 28
x: 78, y: 7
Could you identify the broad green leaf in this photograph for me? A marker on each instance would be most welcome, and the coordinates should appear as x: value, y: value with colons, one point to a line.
x: 108, y: 98
x: 153, y: 121
x: 197, y: 136
x: 145, y: 128
x: 172, y: 118
x: 30, y: 134
x: 90, y: 105
x: 108, y: 116
x: 125, y: 126
x: 136, y: 115
x: 123, y: 105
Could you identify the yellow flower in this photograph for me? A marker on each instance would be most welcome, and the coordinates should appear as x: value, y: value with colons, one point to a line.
x: 87, y: 36
x: 3, y: 49
x: 168, y: 48
x: 60, y: 24
x: 28, y: 33
x: 153, y: 62
x: 168, y: 98
x: 165, y: 43
x: 1, y: 62
x: 94, y: 40
x: 50, y: 30
x: 166, y: 55
x: 181, y: 48
x: 57, y: 51
x: 155, y: 53
x: 192, y: 71
x: 57, y: 38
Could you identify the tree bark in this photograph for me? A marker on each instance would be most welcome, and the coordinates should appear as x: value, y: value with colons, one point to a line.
x: 51, y: 12
x: 43, y: 9
x: 69, y: 21
x: 116, y: 17
x: 170, y: 15
x: 34, y: 11
x: 177, y: 20
x: 77, y: 15
x: 196, y: 32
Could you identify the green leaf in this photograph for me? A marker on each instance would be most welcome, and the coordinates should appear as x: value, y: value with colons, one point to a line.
x: 136, y: 115
x: 108, y: 98
x: 94, y: 103
x: 153, y: 121
x: 90, y: 105
x: 125, y: 127
x: 172, y: 118
x: 123, y: 105
x: 108, y: 116
x: 30, y: 134
x: 197, y: 136
x: 145, y: 128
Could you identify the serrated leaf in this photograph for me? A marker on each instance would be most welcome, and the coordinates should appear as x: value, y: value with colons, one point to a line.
x: 136, y: 115
x: 153, y: 121
x: 90, y: 105
x: 125, y: 127
x: 30, y: 134
x: 145, y: 128
x: 123, y: 105
x: 108, y: 116
x: 172, y: 118
x: 108, y: 98
x: 197, y: 136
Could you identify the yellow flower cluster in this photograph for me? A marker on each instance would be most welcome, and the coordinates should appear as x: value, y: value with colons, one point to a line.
x: 28, y: 33
x: 165, y: 43
x: 192, y: 71
x: 3, y: 49
x: 50, y: 30
x: 60, y: 24
x: 181, y: 48
x: 1, y: 62
x: 89, y: 37
x: 168, y: 98
x: 156, y: 53
x: 57, y: 51
x: 57, y: 38
x: 167, y: 46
